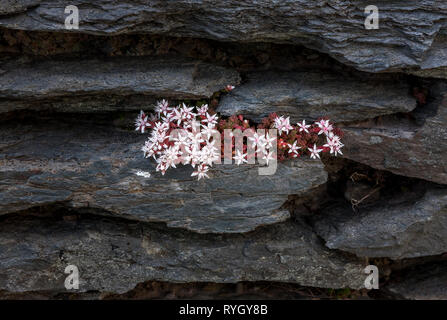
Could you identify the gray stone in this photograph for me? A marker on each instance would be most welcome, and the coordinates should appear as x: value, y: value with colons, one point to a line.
x: 91, y: 85
x: 114, y: 255
x: 100, y: 103
x: 310, y: 95
x: 426, y: 282
x: 432, y: 66
x: 431, y: 73
x: 94, y: 166
x: 404, y: 39
x: 408, y: 226
x: 413, y: 146
x: 8, y: 7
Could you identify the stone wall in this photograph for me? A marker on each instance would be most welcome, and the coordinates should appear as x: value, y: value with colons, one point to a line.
x: 69, y: 153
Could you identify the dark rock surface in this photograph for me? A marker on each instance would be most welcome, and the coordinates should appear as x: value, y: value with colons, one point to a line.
x: 114, y: 255
x: 69, y: 157
x: 59, y: 83
x: 84, y: 104
x: 404, y: 227
x: 432, y: 65
x: 404, y: 39
x: 426, y: 282
x: 94, y: 166
x: 310, y: 95
x: 415, y: 146
x: 8, y: 7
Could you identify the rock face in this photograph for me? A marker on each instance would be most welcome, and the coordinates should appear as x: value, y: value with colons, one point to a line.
x: 22, y: 82
x: 422, y: 283
x: 397, y: 229
x: 431, y: 65
x: 310, y: 95
x: 95, y: 167
x: 71, y: 190
x: 404, y: 39
x: 415, y: 147
x: 114, y: 256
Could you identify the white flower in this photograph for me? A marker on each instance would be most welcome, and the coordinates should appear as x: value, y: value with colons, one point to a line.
x: 177, y: 115
x: 161, y: 127
x: 208, y: 130
x: 337, y: 149
x: 325, y: 127
x: 196, y: 139
x: 148, y: 149
x: 192, y: 156
x: 210, y: 119
x: 269, y: 141
x: 334, y: 137
x: 303, y: 126
x: 209, y: 154
x: 141, y: 122
x: 334, y: 144
x: 162, y: 107
x: 283, y: 124
x: 202, y: 110
x: 240, y: 157
x: 159, y: 136
x: 172, y: 156
x: 294, y: 148
x: 182, y: 138
x: 161, y: 166
x: 314, y: 152
x: 201, y: 172
x: 258, y: 141
x: 187, y: 114
x: 269, y: 156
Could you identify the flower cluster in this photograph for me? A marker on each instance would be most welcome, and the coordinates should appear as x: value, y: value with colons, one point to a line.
x: 195, y: 136
x: 180, y: 134
x: 304, y: 137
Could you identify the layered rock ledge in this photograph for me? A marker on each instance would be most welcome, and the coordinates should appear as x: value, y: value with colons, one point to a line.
x: 405, y: 38
x: 95, y: 166
x: 413, y: 146
x: 114, y: 255
x: 86, y: 85
x: 408, y: 226
x: 311, y: 95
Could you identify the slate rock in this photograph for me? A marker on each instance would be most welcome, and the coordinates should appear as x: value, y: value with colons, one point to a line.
x: 8, y: 7
x: 432, y: 65
x: 403, y: 41
x: 425, y: 282
x: 114, y: 256
x: 95, y: 166
x: 413, y: 146
x: 407, y: 226
x: 311, y: 95
x: 92, y: 84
